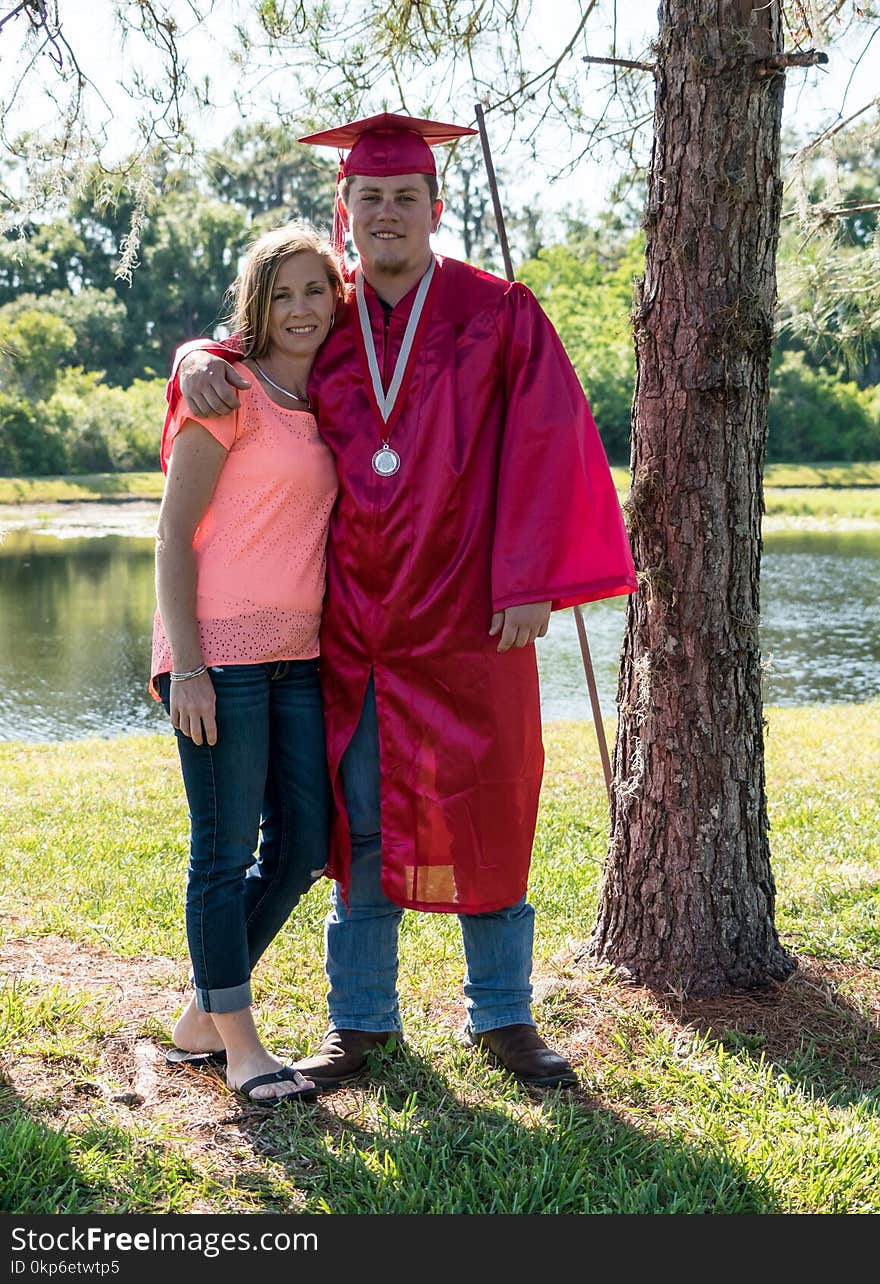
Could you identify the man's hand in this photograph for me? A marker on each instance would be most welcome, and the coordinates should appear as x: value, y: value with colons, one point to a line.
x: 208, y: 385
x: 520, y: 625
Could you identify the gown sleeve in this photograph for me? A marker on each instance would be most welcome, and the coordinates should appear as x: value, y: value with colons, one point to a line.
x: 230, y: 350
x: 559, y: 531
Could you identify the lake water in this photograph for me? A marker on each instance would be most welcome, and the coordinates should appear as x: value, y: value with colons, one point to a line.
x: 76, y: 617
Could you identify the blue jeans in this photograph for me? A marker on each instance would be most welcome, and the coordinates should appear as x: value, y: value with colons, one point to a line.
x: 361, y: 939
x: 264, y: 780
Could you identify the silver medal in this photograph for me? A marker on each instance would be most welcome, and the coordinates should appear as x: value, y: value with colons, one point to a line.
x: 386, y: 461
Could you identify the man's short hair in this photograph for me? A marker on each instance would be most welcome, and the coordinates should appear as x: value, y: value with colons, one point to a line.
x: 430, y: 179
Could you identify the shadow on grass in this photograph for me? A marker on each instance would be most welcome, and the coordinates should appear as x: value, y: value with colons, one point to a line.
x: 98, y: 1168
x: 805, y: 1028
x: 412, y: 1146
x: 856, y: 475
x: 112, y: 487
x: 37, y: 1174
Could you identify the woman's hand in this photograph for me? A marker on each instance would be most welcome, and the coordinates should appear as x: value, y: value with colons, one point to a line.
x: 193, y: 709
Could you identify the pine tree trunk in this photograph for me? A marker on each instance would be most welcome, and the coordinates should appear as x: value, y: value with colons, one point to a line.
x: 688, y: 898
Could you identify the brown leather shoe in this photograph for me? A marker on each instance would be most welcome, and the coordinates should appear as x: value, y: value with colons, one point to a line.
x: 343, y: 1056
x: 520, y: 1050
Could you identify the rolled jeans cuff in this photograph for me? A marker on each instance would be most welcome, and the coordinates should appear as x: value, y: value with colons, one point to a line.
x: 232, y: 999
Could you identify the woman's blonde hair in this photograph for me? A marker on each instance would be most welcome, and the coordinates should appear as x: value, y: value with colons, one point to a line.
x: 251, y: 293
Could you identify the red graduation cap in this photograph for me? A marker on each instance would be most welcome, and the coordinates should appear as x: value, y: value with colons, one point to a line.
x: 387, y: 144
x: 384, y: 145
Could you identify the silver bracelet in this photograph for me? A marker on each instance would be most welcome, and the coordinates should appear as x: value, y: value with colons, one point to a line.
x: 193, y: 673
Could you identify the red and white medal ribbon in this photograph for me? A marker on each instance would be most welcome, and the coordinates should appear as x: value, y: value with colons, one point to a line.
x: 386, y: 461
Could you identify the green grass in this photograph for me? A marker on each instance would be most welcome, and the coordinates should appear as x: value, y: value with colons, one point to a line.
x: 813, y: 496
x: 803, y: 477
x: 826, y: 505
x: 739, y: 1106
x: 92, y: 486
x: 861, y: 474
x: 96, y: 1167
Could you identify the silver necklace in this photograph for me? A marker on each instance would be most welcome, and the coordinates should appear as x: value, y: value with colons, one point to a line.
x: 277, y: 386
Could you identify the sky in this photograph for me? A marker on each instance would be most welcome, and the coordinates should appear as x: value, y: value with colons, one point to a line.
x: 813, y: 96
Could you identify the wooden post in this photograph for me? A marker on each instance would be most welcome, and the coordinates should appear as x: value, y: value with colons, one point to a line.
x: 578, y: 618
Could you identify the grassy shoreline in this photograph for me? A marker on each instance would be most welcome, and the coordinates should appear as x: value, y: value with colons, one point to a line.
x: 91, y: 488
x: 148, y: 485
x: 821, y: 497
x: 754, y: 1104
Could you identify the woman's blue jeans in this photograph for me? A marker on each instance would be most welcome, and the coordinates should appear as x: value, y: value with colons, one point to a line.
x: 264, y: 782
x: 361, y: 939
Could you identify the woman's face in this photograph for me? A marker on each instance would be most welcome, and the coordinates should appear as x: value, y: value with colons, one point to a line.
x: 301, y: 307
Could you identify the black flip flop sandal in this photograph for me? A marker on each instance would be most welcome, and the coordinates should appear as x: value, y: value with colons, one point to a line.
x: 285, y: 1075
x: 180, y: 1057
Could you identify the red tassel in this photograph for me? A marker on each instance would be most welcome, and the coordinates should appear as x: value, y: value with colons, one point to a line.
x: 337, y: 235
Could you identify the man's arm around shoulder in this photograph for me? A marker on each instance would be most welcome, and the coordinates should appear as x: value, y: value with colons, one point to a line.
x: 203, y: 374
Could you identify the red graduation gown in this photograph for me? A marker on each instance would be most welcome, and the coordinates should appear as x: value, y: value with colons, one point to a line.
x: 503, y: 497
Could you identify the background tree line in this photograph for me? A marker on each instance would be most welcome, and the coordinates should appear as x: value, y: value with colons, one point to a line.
x: 84, y: 354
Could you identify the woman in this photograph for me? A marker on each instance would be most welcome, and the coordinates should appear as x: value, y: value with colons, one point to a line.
x: 239, y: 581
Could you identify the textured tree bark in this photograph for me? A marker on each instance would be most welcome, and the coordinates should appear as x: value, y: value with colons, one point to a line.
x: 688, y: 897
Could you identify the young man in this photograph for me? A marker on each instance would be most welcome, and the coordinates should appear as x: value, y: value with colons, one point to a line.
x: 474, y: 497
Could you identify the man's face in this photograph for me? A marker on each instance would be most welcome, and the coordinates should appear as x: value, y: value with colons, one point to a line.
x: 390, y: 220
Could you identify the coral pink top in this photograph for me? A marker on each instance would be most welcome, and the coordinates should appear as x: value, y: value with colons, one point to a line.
x: 260, y: 547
